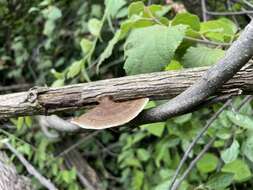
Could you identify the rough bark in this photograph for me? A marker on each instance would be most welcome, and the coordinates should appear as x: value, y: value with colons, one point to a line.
x: 156, y: 86
x: 9, y: 178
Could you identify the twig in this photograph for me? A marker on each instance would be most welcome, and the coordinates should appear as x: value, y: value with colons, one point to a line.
x: 190, y: 147
x: 78, y: 143
x: 208, y: 42
x: 31, y: 170
x: 15, y: 87
x: 229, y: 13
x: 203, y: 6
x: 192, y: 164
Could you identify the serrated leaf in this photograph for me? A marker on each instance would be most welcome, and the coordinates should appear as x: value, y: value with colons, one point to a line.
x: 231, y: 153
x: 220, y: 181
x: 201, y: 56
x: 94, y: 26
x: 239, y: 168
x: 154, y: 128
x: 188, y: 19
x: 150, y: 49
x: 207, y: 163
x: 241, y: 120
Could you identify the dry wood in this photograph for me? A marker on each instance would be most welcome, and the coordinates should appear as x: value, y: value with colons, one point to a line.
x: 159, y: 85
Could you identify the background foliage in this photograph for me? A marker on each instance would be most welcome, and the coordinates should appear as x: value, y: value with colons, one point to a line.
x: 56, y: 43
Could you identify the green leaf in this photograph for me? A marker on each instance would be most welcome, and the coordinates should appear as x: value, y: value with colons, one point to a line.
x: 28, y: 121
x: 201, y: 56
x: 247, y: 148
x: 52, y: 13
x: 20, y: 123
x: 154, y: 128
x: 108, y: 50
x: 86, y: 46
x: 183, y: 118
x: 219, y: 30
x: 135, y: 8
x: 231, y: 153
x: 114, y: 6
x: 173, y: 65
x: 75, y: 69
x: 220, y: 181
x: 58, y: 83
x: 239, y: 168
x: 240, y: 120
x: 49, y: 27
x: 150, y: 49
x: 94, y: 26
x: 188, y: 19
x: 207, y: 163
x: 138, y: 177
x: 143, y: 154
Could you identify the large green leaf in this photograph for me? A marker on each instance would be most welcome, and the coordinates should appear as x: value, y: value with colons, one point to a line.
x: 154, y: 128
x: 207, y: 163
x: 241, y: 120
x: 220, y: 181
x: 187, y: 19
x: 231, y: 153
x: 201, y: 56
x: 114, y: 6
x: 247, y: 148
x: 150, y: 49
x: 218, y: 30
x: 239, y: 168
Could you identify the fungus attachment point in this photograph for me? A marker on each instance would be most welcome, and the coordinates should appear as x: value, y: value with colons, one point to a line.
x: 109, y: 114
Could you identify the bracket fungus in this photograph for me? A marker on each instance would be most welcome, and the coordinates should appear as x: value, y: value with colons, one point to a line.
x: 109, y: 114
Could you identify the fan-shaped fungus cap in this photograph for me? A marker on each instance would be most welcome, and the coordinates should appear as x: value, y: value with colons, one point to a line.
x: 109, y: 114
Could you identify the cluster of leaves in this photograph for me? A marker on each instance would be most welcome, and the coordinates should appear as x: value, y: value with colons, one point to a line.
x: 65, y: 42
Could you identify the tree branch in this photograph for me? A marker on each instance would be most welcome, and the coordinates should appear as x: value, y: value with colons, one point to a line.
x: 236, y: 57
x: 156, y: 86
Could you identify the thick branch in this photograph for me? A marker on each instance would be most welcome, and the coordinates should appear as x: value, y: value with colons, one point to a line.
x: 160, y: 85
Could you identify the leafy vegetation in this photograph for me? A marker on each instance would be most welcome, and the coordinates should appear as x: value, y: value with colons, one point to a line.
x: 56, y: 43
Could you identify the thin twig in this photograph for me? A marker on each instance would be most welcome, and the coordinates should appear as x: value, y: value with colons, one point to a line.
x: 203, y: 6
x: 31, y: 170
x: 79, y: 143
x: 208, y: 42
x: 229, y: 13
x: 190, y: 147
x: 192, y: 164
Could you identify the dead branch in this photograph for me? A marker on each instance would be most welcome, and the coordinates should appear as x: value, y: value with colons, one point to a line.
x: 156, y: 86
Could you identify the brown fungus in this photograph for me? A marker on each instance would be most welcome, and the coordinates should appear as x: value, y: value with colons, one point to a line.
x: 110, y: 114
